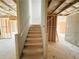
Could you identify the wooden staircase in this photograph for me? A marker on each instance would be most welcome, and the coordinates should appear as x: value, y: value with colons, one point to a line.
x: 33, y: 48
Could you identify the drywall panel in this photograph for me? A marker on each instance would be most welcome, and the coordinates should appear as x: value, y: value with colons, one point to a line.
x: 23, y: 22
x: 72, y: 29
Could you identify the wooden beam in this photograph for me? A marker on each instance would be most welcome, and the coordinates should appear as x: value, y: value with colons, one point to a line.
x: 58, y: 5
x: 2, y: 8
x: 74, y: 11
x: 51, y: 15
x: 63, y: 14
x: 7, y: 5
x: 15, y: 1
x: 70, y: 4
x: 4, y: 12
x: 49, y: 1
x: 54, y: 7
x: 12, y: 17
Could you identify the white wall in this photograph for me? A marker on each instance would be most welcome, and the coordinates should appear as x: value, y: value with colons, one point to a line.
x: 35, y: 11
x: 23, y: 23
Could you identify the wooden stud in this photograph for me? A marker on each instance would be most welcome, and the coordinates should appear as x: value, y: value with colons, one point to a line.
x: 52, y: 24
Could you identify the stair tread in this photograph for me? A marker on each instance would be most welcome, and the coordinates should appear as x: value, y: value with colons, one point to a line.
x: 33, y: 43
x: 34, y: 31
x: 30, y: 51
x: 34, y: 34
x: 37, y: 29
x: 35, y: 26
x: 32, y: 57
x: 32, y: 54
x: 33, y: 38
x: 33, y: 47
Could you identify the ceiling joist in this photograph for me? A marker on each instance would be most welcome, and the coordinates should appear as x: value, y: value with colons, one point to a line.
x: 68, y: 5
x: 49, y: 1
x: 7, y: 5
x: 54, y: 5
x: 15, y: 1
x: 4, y: 12
x: 3, y: 8
x: 54, y: 8
x: 59, y: 7
x: 8, y: 13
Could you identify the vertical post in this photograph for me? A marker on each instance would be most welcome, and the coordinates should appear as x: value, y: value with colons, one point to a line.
x: 17, y: 35
x: 46, y: 41
x: 54, y: 28
x: 18, y: 15
x: 51, y: 26
x: 17, y: 46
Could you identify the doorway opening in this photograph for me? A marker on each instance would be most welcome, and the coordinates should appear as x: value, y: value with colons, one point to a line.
x: 61, y: 27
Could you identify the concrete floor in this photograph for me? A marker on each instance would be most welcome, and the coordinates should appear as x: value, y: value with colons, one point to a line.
x: 7, y: 48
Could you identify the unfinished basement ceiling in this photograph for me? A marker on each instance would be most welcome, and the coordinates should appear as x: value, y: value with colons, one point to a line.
x: 7, y: 8
x: 72, y: 9
x: 62, y: 7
